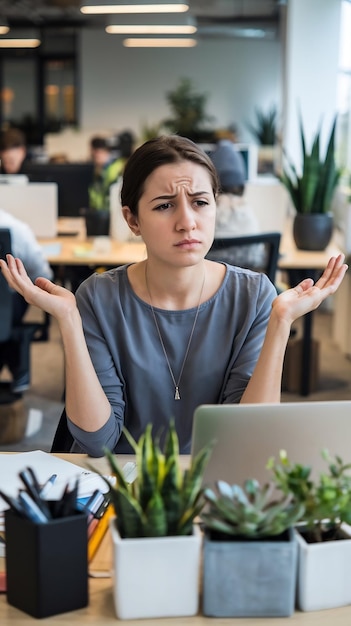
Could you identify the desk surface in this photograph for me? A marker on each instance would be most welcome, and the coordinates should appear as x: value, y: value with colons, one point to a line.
x: 100, y: 610
x: 72, y: 247
x: 77, y: 250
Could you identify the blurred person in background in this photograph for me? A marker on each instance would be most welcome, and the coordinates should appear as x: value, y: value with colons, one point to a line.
x: 107, y: 170
x: 13, y: 151
x: 25, y: 245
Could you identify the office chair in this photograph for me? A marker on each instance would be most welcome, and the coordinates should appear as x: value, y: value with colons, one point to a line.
x: 255, y: 252
x: 24, y: 332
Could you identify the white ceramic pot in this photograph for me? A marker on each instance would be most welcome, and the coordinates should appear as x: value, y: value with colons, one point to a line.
x: 324, y: 573
x: 156, y: 577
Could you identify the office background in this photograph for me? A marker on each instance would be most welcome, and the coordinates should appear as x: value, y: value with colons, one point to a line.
x: 121, y: 88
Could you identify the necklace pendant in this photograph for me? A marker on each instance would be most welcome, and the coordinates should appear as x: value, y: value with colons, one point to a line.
x: 177, y: 394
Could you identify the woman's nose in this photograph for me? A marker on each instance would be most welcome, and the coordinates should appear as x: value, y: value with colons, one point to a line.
x: 185, y: 216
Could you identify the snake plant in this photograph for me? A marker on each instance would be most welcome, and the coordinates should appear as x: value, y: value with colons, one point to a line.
x: 265, y: 129
x: 164, y: 499
x: 312, y: 191
x: 249, y: 511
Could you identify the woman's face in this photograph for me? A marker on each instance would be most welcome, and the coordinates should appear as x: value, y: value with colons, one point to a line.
x: 176, y: 213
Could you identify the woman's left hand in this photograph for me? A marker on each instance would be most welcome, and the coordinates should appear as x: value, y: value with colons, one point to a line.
x: 306, y: 296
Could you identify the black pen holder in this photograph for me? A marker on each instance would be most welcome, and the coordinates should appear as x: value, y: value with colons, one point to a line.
x: 46, y: 564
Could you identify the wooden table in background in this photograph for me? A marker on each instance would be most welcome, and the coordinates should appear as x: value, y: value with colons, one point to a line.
x: 304, y: 264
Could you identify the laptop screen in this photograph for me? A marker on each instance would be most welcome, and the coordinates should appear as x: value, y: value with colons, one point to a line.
x: 247, y: 435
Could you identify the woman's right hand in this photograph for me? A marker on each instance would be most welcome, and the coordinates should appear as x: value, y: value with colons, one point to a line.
x: 51, y: 298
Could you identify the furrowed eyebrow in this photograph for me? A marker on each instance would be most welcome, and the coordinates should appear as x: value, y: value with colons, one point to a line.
x: 171, y: 197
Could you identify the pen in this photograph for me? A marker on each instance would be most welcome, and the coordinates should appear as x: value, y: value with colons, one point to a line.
x: 46, y: 488
x: 12, y: 502
x: 94, y: 502
x: 26, y: 478
x: 31, y: 509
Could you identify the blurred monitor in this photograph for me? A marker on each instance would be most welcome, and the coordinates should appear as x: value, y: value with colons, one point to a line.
x: 13, y: 179
x: 248, y: 151
x: 73, y: 181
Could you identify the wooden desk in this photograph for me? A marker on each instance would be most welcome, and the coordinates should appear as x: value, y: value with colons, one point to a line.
x: 100, y: 610
x: 74, y: 251
x: 308, y: 265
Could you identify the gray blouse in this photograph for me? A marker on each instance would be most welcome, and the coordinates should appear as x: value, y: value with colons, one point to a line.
x: 130, y: 363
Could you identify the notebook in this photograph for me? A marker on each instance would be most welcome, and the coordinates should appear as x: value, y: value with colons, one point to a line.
x: 247, y: 435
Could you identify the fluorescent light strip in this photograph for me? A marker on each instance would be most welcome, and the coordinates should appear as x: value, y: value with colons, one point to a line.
x: 141, y: 29
x: 134, y: 8
x: 19, y: 43
x: 159, y: 43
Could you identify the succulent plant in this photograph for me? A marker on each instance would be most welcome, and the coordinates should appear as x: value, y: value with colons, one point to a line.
x: 326, y: 500
x: 249, y: 511
x: 313, y: 190
x: 164, y: 499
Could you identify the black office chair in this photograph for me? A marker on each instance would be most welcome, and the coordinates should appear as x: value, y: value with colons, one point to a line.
x: 255, y: 252
x: 24, y: 332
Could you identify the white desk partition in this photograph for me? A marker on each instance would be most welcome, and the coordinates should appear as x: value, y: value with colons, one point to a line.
x: 33, y: 203
x: 270, y: 202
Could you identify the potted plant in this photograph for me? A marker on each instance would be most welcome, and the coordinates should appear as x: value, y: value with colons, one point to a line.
x: 323, y: 536
x: 250, y: 553
x: 312, y: 191
x: 264, y: 131
x: 189, y: 113
x: 157, y: 546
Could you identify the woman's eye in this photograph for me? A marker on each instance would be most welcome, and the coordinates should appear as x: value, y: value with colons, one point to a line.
x: 162, y: 207
x: 201, y: 203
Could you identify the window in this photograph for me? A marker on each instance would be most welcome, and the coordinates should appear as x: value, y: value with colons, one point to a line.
x: 38, y: 88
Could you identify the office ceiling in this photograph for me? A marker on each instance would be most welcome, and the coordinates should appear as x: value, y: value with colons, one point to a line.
x: 213, y: 16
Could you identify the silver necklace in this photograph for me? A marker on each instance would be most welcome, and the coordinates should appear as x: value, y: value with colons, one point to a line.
x: 176, y: 383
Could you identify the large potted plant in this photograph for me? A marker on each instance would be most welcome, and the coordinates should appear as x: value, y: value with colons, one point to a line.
x: 156, y: 545
x: 323, y: 536
x: 312, y: 190
x: 250, y: 553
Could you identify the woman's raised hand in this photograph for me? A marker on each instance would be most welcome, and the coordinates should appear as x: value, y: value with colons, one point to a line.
x: 307, y: 296
x: 44, y: 294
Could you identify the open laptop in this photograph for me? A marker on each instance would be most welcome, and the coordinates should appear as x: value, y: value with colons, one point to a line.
x: 247, y: 435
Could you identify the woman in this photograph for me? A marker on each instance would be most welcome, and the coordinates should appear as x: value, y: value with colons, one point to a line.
x: 152, y: 340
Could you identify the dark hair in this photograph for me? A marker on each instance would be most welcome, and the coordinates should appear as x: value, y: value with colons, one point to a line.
x: 99, y: 143
x: 154, y: 153
x: 12, y: 138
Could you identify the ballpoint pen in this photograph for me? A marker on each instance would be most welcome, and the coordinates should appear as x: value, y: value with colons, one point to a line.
x: 46, y: 488
x: 26, y: 477
x: 31, y: 509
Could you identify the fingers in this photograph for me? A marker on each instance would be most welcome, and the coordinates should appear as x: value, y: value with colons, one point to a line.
x: 333, y: 274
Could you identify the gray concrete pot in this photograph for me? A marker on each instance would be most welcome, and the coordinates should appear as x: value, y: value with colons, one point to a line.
x: 249, y: 578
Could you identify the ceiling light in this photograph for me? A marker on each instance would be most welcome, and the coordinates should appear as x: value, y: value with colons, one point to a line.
x: 4, y: 27
x: 141, y: 29
x: 159, y: 42
x: 141, y: 7
x: 19, y: 43
x: 151, y: 25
